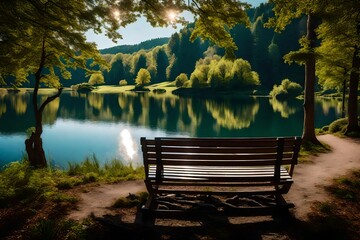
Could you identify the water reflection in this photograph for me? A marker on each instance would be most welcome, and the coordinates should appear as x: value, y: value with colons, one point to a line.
x: 285, y: 108
x: 127, y: 145
x: 233, y: 115
x: 330, y: 104
x: 110, y: 125
x: 19, y: 102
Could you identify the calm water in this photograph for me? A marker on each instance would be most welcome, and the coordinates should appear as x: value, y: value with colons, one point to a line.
x: 110, y: 125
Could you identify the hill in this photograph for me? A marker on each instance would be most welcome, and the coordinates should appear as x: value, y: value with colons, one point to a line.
x: 129, y: 49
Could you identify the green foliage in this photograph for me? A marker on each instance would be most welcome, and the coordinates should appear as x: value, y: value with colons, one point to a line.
x: 20, y: 182
x: 90, y: 170
x: 41, y: 35
x: 214, y: 25
x: 309, y: 149
x: 181, y: 80
x: 223, y: 74
x: 286, y: 89
x: 82, y: 87
x: 143, y: 77
x: 96, y: 78
x: 123, y: 82
x: 338, y: 125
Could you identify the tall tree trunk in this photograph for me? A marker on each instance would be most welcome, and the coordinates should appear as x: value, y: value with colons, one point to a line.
x: 343, y: 98
x: 309, y: 98
x: 353, y: 125
x: 34, y: 145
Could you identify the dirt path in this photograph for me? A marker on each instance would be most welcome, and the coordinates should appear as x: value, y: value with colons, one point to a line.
x: 308, y: 187
x: 98, y: 200
x: 310, y: 178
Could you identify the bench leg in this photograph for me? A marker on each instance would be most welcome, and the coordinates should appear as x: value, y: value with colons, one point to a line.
x: 147, y: 214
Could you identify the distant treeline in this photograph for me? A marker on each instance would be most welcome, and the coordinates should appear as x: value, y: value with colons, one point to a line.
x: 166, y: 58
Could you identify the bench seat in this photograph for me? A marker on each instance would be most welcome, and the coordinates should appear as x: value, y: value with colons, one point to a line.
x: 218, y: 166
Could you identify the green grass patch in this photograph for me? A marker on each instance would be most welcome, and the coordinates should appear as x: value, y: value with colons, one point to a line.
x: 338, y: 128
x: 91, y: 170
x: 19, y: 182
x: 309, y: 149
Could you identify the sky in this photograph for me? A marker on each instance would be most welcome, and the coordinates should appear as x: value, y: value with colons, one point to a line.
x: 141, y: 31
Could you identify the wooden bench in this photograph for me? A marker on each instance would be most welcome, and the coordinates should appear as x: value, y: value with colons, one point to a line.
x: 236, y: 176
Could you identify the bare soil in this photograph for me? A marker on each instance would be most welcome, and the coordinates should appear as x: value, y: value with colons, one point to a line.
x: 311, y: 178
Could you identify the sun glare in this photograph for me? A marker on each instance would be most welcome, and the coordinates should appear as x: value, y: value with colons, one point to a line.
x: 127, y: 144
x: 116, y: 14
x: 171, y: 15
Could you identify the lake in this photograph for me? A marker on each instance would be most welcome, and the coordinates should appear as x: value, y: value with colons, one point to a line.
x: 110, y: 125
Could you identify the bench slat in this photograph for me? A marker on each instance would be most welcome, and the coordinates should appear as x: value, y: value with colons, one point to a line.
x: 210, y: 157
x: 218, y: 150
x: 220, y: 142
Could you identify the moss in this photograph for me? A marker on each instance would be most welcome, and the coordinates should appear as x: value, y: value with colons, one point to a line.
x: 338, y: 125
x: 309, y: 149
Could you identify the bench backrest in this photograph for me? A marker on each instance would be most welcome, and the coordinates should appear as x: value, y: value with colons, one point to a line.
x: 222, y: 152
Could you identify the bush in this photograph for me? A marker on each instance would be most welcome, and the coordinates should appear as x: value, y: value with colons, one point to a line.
x: 82, y: 87
x: 96, y: 78
x: 181, y: 80
x: 286, y: 89
x: 338, y: 125
x: 123, y: 82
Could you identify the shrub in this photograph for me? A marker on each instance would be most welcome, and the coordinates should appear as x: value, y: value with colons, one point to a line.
x: 181, y: 80
x: 96, y: 78
x: 338, y: 125
x: 123, y: 82
x: 286, y: 89
x: 143, y: 77
x: 82, y: 87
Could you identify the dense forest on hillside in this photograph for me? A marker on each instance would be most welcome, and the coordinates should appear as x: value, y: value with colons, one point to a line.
x: 165, y: 59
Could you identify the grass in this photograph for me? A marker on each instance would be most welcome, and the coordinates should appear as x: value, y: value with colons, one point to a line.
x: 338, y: 128
x: 21, y: 183
x: 339, y: 218
x: 309, y: 149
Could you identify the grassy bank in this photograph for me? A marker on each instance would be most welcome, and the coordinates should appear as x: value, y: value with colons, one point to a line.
x: 20, y: 183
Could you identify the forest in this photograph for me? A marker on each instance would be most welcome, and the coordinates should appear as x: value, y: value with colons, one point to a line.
x: 261, y: 48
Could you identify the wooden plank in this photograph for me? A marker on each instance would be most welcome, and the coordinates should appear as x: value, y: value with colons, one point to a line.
x: 145, y: 157
x: 221, y: 184
x: 219, y: 179
x: 219, y: 163
x: 219, y: 171
x: 219, y: 150
x: 242, y: 193
x: 215, y: 157
x: 279, y: 157
x: 218, y: 142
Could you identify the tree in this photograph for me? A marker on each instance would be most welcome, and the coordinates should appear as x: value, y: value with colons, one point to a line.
x: 181, y: 80
x: 96, y: 78
x: 285, y: 11
x: 340, y: 29
x: 36, y: 36
x: 143, y: 77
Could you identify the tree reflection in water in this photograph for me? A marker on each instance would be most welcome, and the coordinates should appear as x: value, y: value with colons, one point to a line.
x: 285, y: 108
